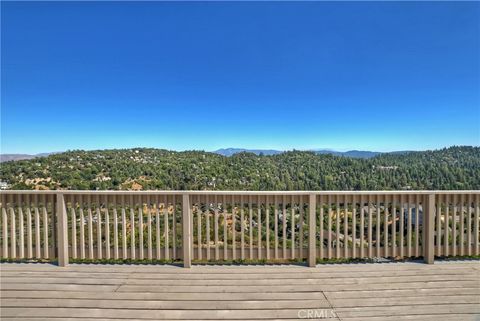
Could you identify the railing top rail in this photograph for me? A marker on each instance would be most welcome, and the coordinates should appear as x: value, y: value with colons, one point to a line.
x: 167, y: 192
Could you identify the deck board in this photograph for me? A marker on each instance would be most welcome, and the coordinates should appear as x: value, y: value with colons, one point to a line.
x: 393, y: 291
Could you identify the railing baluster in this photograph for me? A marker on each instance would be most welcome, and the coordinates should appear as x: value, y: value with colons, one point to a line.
x: 215, y: 227
x: 115, y: 229
x: 267, y: 226
x: 46, y: 225
x: 462, y: 225
x: 234, y: 236
x: 329, y: 227
x: 140, y: 229
x: 378, y: 226
x: 337, y: 225
x: 174, y: 227
x: 5, y: 252
x: 74, y: 228
x: 354, y: 226
x: 385, y: 226
x: 320, y: 202
x: 99, y: 229
x: 21, y: 240
x: 401, y: 224
x: 301, y: 204
x: 428, y: 228
x: 476, y: 223
x: 312, y: 233
x: 29, y: 228
x: 196, y: 201
x: 225, y: 228
x: 62, y: 234
x: 195, y: 228
x: 446, y: 238
x: 454, y: 225
x: 259, y: 227
x: 37, y: 229
x: 13, y: 244
x: 394, y: 225
x: 157, y: 228
x: 207, y: 225
x: 409, y: 225
x: 438, y: 228
x: 284, y: 227
x: 166, y: 232
x: 362, y: 227
x: 21, y: 228
x: 124, y: 229
x: 90, y: 228
x: 132, y: 228
x: 370, y: 237
x: 345, y: 226
x: 417, y: 225
x: 107, y: 229
x: 469, y: 225
x: 242, y: 229
x: 186, y: 231
x: 82, y: 228
x: 250, y: 230
x: 149, y: 229
x: 292, y: 226
x: 275, y: 227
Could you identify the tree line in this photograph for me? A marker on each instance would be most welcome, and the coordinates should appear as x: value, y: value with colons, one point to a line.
x: 454, y: 168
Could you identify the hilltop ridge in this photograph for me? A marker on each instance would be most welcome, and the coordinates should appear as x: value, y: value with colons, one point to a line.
x: 160, y: 169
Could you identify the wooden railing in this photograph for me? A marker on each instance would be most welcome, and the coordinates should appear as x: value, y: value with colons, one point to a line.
x: 237, y: 226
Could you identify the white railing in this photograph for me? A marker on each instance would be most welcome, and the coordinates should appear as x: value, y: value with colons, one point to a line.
x: 237, y: 226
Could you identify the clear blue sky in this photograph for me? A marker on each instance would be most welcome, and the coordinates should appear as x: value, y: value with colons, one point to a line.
x: 367, y: 75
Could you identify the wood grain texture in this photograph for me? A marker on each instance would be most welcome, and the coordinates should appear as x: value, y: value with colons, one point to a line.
x: 408, y: 291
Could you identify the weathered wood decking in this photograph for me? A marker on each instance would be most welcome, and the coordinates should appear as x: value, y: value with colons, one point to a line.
x: 389, y: 291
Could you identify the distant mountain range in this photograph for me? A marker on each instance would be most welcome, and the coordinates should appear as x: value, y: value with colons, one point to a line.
x: 230, y: 152
x: 350, y: 153
x: 15, y: 157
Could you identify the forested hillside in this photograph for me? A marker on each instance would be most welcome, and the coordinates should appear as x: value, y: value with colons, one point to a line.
x: 147, y: 169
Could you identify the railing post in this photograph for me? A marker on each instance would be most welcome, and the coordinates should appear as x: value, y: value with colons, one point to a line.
x: 62, y: 230
x: 428, y: 228
x: 312, y: 230
x: 187, y: 231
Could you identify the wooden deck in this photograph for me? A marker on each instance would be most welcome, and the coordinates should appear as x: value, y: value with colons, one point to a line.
x: 388, y: 291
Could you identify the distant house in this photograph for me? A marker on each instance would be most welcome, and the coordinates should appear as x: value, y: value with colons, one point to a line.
x: 414, y: 216
x: 4, y: 185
